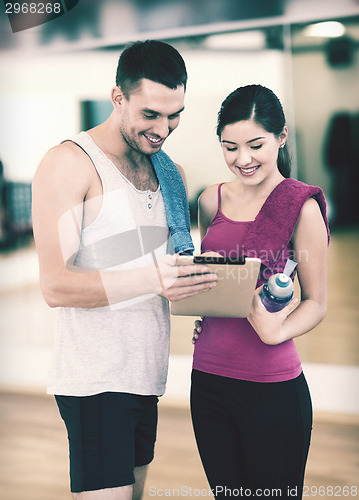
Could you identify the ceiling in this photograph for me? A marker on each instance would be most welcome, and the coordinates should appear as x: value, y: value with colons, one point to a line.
x: 105, y: 24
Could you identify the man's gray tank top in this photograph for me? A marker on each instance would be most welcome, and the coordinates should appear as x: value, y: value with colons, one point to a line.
x: 123, y: 347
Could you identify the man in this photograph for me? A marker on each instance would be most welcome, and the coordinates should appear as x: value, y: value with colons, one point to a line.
x: 103, y: 206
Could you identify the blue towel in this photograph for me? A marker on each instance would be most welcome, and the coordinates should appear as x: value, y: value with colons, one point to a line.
x: 175, y: 200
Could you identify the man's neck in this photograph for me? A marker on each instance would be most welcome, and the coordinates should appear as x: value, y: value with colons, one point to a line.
x: 109, y: 139
x: 136, y: 167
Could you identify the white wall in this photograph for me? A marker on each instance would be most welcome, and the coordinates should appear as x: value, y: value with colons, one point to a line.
x: 39, y: 105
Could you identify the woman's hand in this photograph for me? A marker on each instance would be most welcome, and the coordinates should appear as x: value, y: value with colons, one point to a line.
x: 197, y: 330
x: 269, y: 326
x: 310, y: 248
x: 211, y: 254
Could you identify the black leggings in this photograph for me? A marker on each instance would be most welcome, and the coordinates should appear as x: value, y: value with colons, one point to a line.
x: 253, y: 438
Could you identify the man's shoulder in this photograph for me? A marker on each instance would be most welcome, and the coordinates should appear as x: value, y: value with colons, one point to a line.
x: 68, y: 155
x: 65, y: 161
x: 66, y: 149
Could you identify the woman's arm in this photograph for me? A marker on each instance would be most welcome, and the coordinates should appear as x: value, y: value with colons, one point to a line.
x: 310, y: 246
x: 207, y: 208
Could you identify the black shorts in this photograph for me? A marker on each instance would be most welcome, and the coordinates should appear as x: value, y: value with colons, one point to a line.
x: 109, y: 434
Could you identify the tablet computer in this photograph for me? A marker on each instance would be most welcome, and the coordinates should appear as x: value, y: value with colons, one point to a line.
x: 233, y: 295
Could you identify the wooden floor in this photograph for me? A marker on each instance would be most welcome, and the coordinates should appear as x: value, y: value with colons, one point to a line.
x: 34, y: 455
x: 33, y: 443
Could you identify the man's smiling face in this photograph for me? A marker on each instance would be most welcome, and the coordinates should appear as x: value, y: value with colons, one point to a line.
x: 150, y: 115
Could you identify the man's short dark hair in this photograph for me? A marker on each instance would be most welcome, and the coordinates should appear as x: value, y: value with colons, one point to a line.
x: 154, y: 60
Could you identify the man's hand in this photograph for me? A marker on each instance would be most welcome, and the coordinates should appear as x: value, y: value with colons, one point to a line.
x: 181, y: 281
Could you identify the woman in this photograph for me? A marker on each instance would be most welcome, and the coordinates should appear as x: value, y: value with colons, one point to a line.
x: 251, y: 407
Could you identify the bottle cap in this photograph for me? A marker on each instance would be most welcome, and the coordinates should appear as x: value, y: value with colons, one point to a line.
x: 282, y: 280
x: 280, y: 285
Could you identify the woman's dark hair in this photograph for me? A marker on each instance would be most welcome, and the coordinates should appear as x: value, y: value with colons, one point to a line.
x: 262, y: 106
x: 154, y: 60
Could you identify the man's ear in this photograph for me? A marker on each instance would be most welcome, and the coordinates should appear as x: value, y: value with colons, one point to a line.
x: 116, y: 96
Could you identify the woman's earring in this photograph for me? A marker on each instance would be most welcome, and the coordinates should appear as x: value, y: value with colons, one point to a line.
x: 282, y: 145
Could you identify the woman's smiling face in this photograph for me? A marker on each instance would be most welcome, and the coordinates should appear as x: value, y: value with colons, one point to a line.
x: 250, y: 151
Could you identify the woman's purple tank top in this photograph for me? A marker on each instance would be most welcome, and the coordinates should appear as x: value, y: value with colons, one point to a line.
x: 230, y: 347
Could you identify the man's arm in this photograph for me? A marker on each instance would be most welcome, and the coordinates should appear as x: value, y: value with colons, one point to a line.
x: 61, y: 184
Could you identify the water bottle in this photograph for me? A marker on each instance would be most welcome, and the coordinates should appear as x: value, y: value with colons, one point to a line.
x: 277, y: 292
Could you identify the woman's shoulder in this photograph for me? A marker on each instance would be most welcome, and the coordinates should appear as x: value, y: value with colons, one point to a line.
x: 208, y: 204
x: 296, y: 185
x: 297, y: 192
x: 209, y: 196
x: 310, y: 209
x: 308, y: 201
